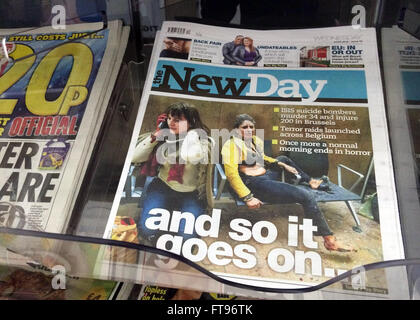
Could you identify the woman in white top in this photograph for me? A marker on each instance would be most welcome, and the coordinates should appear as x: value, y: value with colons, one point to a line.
x: 177, y: 153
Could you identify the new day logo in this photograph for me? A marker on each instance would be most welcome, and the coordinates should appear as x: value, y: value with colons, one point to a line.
x: 260, y: 84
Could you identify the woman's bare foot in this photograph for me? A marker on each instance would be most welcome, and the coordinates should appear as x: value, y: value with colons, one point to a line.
x: 314, y: 184
x: 331, y: 244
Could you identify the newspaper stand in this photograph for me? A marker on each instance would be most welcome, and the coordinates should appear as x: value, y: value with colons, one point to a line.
x: 81, y: 248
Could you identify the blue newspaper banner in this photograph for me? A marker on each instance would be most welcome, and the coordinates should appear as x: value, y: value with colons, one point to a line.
x: 261, y: 84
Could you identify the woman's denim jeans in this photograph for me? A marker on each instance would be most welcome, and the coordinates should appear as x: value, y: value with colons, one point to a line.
x: 160, y: 195
x: 268, y: 188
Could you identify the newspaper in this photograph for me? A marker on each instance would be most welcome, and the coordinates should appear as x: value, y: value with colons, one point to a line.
x: 313, y: 102
x: 31, y: 283
x: 55, y: 88
x: 401, y: 53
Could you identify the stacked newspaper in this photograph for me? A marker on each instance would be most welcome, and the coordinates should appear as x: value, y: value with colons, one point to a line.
x: 401, y: 56
x: 314, y: 96
x: 55, y: 89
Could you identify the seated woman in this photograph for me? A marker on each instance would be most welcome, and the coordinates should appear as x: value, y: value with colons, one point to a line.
x: 181, y: 185
x: 244, y: 158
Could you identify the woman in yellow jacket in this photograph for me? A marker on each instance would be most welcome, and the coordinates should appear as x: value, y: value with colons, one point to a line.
x: 245, y: 167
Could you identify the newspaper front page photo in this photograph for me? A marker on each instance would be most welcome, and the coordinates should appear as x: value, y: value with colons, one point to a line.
x: 263, y: 157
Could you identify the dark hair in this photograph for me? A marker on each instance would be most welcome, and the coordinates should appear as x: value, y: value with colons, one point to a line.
x: 176, y: 38
x: 240, y: 118
x: 190, y: 113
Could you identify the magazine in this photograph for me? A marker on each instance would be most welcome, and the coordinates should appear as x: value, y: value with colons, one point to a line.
x: 258, y: 156
x: 54, y: 89
x: 152, y: 292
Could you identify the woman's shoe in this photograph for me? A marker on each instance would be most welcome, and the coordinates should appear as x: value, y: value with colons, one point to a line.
x: 325, y: 179
x: 331, y: 244
x: 324, y: 186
